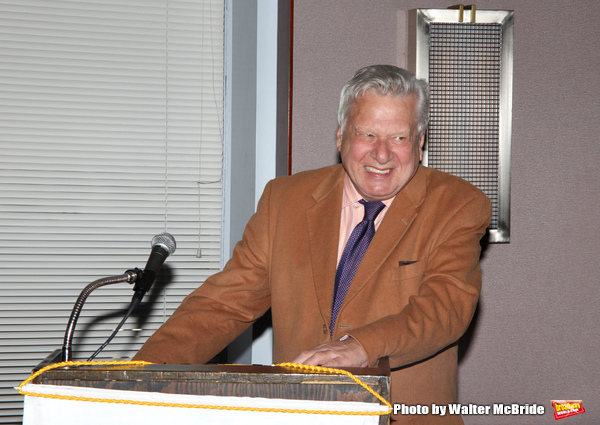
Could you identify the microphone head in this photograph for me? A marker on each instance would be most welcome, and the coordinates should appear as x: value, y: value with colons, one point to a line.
x: 165, y: 240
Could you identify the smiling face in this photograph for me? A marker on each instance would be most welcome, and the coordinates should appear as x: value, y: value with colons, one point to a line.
x: 380, y: 148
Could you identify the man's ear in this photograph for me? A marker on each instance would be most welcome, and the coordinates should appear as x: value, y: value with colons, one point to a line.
x: 338, y: 139
x: 421, y: 144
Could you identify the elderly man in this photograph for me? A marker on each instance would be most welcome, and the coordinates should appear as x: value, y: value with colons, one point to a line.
x: 376, y: 257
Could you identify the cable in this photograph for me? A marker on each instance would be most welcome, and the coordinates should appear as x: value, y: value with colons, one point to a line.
x: 134, y: 303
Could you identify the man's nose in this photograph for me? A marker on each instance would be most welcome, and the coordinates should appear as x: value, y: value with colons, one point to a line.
x: 381, y: 151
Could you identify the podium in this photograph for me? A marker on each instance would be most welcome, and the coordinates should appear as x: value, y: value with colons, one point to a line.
x: 153, y: 393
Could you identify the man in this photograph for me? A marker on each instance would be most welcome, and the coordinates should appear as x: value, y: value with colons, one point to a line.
x: 410, y: 297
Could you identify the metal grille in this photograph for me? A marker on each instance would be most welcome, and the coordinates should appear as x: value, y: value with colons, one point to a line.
x: 469, y: 69
x: 464, y: 78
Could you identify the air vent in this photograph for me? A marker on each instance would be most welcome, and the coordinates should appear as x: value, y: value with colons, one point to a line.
x: 469, y: 69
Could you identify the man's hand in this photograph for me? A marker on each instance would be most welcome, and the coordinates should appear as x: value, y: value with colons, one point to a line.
x: 348, y: 353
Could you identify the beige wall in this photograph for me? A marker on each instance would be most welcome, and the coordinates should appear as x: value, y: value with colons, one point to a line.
x: 535, y: 336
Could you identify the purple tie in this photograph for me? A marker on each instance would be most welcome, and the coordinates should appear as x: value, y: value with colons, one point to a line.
x: 355, y: 248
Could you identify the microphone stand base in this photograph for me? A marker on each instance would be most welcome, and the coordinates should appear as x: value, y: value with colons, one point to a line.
x: 54, y: 357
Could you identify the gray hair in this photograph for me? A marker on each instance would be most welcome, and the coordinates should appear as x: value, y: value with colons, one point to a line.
x: 385, y: 80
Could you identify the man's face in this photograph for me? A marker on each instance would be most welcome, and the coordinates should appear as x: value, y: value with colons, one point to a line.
x: 379, y: 149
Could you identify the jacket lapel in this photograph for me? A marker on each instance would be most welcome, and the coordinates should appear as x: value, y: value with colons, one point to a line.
x: 323, y: 222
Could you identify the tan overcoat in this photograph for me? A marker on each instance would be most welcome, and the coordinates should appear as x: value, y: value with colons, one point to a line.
x: 413, y: 295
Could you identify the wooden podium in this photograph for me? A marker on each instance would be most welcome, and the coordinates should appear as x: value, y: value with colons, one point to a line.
x: 230, y: 382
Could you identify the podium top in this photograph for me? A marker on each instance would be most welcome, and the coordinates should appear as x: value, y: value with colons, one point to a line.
x: 227, y: 380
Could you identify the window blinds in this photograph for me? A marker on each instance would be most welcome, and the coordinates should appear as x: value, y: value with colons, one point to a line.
x: 110, y: 133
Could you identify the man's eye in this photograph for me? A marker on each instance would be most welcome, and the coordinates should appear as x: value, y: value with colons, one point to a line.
x: 367, y: 137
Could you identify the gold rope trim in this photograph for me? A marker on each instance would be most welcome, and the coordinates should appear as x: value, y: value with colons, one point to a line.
x: 332, y: 371
x: 294, y: 366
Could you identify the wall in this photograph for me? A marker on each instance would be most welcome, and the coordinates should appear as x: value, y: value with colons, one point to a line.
x: 535, y: 336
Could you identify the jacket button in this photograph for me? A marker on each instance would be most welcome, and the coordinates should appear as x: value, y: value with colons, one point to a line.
x: 324, y: 328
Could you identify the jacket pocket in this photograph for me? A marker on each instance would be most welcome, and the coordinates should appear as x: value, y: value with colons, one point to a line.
x: 409, y: 270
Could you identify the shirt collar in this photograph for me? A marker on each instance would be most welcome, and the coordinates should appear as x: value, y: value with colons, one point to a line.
x: 351, y: 195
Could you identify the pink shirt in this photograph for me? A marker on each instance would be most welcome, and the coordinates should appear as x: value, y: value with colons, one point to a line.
x: 353, y: 213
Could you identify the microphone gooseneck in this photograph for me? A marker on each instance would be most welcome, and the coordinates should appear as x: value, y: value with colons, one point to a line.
x: 129, y: 276
x: 163, y: 245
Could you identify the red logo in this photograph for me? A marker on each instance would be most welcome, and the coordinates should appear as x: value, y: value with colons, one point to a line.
x: 565, y: 408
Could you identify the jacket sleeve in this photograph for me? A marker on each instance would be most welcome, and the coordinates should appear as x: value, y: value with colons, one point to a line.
x: 440, y: 312
x: 223, y: 306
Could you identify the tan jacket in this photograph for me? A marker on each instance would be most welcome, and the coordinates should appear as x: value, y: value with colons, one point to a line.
x: 411, y: 299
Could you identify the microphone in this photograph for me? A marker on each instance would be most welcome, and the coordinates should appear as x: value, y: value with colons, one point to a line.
x: 163, y: 245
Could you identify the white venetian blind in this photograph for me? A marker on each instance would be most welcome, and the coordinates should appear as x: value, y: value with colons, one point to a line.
x: 110, y: 133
